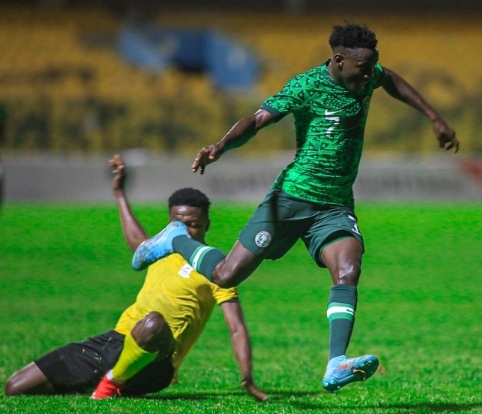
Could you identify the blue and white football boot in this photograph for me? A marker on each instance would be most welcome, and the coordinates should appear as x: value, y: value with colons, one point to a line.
x: 342, y: 371
x: 159, y: 246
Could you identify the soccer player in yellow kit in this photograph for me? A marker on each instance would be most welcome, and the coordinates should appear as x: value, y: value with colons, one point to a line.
x: 153, y: 336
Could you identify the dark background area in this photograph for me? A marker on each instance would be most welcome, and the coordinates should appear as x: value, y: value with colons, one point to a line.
x: 292, y: 6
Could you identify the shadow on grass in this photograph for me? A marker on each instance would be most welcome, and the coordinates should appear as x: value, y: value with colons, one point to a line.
x: 440, y: 407
x: 273, y: 396
x: 277, y: 396
x: 408, y: 408
x: 285, y: 398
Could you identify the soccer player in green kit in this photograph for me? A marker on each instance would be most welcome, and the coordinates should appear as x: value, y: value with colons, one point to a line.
x: 312, y: 198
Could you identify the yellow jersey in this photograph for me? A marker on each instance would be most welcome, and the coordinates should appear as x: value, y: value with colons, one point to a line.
x: 182, y: 296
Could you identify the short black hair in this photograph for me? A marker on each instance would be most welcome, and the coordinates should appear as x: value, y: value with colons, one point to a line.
x: 353, y: 36
x: 190, y: 197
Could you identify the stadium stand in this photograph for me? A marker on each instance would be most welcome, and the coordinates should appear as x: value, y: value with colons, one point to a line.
x: 65, y: 87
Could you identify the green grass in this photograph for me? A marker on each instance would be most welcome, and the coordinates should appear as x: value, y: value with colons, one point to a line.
x: 65, y: 274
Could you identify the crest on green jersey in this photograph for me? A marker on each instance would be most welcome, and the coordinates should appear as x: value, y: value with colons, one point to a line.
x: 262, y: 239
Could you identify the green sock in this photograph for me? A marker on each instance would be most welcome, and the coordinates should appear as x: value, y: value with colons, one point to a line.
x: 341, y: 316
x: 201, y: 257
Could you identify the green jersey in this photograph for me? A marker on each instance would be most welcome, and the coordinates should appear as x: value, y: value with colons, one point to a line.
x: 330, y: 124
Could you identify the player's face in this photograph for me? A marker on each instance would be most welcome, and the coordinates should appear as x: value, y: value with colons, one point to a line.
x: 196, y: 222
x: 356, y: 67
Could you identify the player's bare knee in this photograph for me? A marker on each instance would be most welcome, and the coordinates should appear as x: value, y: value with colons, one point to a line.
x: 152, y: 332
x: 349, y: 274
x: 222, y: 275
x: 11, y: 386
x: 148, y: 327
x: 9, y: 389
x: 224, y: 282
x: 227, y: 277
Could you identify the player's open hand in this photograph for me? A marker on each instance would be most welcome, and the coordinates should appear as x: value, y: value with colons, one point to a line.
x: 206, y: 156
x: 253, y: 390
x: 446, y: 136
x: 118, y: 170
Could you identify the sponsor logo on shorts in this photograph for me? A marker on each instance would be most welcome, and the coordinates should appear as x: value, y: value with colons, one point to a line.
x: 263, y: 239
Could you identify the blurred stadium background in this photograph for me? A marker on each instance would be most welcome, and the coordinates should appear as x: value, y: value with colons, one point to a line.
x: 81, y: 80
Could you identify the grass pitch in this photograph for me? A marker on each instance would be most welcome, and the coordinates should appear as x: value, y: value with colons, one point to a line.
x: 65, y: 274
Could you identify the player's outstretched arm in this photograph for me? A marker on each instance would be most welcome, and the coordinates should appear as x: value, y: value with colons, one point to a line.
x: 400, y: 89
x: 131, y: 228
x: 238, y: 135
x: 233, y: 315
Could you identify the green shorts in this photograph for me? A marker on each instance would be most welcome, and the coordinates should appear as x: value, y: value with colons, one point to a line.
x: 280, y: 220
